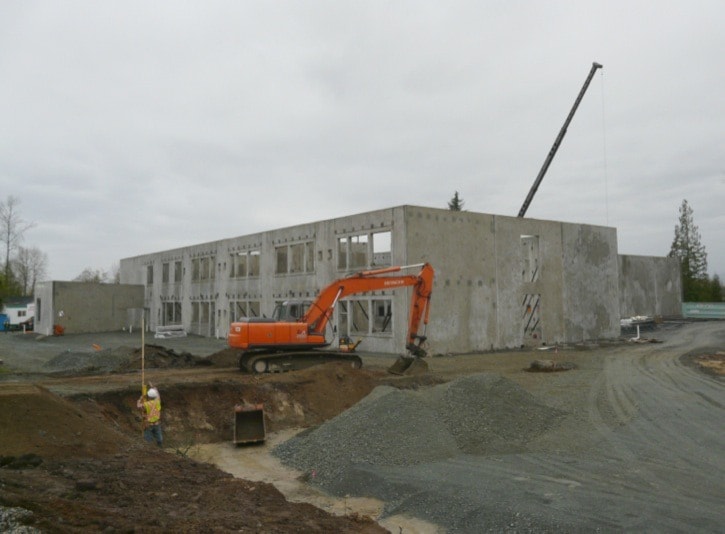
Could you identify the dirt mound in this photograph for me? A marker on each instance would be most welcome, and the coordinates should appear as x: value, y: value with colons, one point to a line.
x: 35, y: 421
x: 112, y: 493
x: 121, y: 359
x: 225, y: 358
x: 158, y: 357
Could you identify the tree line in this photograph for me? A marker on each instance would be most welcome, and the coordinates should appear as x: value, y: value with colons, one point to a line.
x: 23, y: 266
x: 687, y: 247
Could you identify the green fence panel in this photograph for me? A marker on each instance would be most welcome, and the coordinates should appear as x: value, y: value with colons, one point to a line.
x: 703, y: 310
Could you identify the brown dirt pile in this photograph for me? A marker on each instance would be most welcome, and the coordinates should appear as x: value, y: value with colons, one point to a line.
x: 96, y: 473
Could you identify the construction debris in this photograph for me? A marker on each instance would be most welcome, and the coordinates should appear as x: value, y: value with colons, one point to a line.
x: 164, y: 332
x: 550, y: 366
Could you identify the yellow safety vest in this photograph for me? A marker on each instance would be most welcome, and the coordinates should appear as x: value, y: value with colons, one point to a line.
x: 153, y: 410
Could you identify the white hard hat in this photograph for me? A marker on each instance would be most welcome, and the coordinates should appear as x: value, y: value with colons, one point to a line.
x: 152, y: 393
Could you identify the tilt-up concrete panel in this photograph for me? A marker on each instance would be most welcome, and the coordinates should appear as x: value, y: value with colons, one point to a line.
x: 461, y: 248
x: 525, y: 299
x: 591, y: 284
x: 504, y: 282
x: 649, y: 285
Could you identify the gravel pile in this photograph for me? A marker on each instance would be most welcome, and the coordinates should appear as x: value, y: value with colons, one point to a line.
x: 106, y: 360
x: 121, y: 359
x: 481, y: 414
x: 11, y: 521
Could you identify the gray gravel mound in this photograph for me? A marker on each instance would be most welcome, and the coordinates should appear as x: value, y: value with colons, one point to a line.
x: 481, y: 414
x: 488, y: 414
x: 106, y: 360
x: 383, y: 429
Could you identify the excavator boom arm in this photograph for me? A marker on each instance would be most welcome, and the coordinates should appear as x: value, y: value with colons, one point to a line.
x: 320, y: 312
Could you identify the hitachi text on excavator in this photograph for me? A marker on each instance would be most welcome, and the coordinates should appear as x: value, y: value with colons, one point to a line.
x: 294, y: 337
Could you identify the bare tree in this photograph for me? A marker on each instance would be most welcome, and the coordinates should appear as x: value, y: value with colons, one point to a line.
x: 114, y: 275
x: 96, y: 276
x: 12, y: 229
x: 30, y: 266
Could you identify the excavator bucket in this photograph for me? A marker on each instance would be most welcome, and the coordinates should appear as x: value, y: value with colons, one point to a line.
x: 249, y: 424
x: 408, y: 365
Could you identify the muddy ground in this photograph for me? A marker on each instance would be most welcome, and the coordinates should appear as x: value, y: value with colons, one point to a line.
x: 639, y: 446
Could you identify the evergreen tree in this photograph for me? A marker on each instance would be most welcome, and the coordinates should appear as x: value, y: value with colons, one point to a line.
x: 456, y: 203
x: 692, y: 255
x: 715, y: 290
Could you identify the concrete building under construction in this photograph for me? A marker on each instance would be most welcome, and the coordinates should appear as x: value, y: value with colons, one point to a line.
x: 501, y: 282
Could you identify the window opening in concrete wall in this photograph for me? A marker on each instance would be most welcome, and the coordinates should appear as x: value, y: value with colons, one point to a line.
x: 238, y: 264
x: 531, y: 320
x: 164, y: 273
x: 207, y: 268
x: 149, y: 274
x: 342, y: 319
x: 243, y: 308
x: 382, y: 252
x: 177, y: 271
x: 194, y: 312
x: 297, y: 258
x: 244, y: 264
x: 383, y: 315
x: 310, y: 257
x: 237, y: 310
x: 204, y: 268
x: 364, y: 250
x: 171, y: 313
x: 342, y: 253
x: 358, y: 251
x: 281, y: 260
x: 360, y: 316
x: 530, y: 258
x: 253, y: 267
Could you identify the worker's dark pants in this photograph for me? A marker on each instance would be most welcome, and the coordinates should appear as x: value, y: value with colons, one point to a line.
x: 153, y: 433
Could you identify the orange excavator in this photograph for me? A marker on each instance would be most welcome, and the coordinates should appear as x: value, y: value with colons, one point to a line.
x: 294, y: 337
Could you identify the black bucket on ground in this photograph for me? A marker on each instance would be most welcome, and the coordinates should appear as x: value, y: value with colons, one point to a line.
x: 408, y: 365
x: 249, y: 424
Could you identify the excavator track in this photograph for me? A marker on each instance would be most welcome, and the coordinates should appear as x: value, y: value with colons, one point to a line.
x: 258, y: 362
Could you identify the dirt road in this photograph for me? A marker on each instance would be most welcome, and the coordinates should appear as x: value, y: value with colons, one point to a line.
x: 641, y: 450
x: 637, y: 445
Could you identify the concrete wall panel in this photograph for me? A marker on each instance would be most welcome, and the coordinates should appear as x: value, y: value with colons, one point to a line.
x: 591, y: 273
x: 82, y: 307
x: 461, y: 248
x: 649, y: 285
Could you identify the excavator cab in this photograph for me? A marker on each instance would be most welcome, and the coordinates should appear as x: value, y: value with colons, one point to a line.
x: 290, y: 311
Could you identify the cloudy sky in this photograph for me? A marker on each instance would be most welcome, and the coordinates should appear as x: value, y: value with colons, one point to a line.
x: 134, y: 127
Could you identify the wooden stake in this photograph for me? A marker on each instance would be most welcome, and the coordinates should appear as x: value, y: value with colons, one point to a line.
x: 143, y: 381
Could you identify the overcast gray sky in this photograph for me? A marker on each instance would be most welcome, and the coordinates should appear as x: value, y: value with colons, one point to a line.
x: 134, y: 127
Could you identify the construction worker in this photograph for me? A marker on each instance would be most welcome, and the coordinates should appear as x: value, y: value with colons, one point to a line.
x: 151, y: 406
